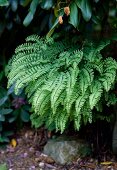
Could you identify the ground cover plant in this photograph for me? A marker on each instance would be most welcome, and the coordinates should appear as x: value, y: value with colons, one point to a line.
x: 64, y: 82
x: 14, y: 111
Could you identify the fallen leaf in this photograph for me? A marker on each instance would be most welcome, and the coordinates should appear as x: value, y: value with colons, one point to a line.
x: 106, y: 163
x: 13, y: 143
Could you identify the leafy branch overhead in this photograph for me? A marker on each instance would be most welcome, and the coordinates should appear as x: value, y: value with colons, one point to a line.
x: 64, y: 82
x: 77, y: 13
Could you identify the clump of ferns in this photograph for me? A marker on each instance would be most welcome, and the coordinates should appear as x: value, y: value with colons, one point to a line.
x: 63, y: 82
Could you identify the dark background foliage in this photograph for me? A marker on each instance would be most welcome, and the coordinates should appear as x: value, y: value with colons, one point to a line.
x: 92, y: 19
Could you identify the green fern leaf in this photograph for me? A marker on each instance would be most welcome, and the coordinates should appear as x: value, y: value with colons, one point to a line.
x: 73, y: 96
x: 96, y: 92
x: 33, y: 38
x: 61, y: 83
x: 108, y: 77
x: 40, y: 100
x: 80, y: 102
x: 71, y: 82
x: 86, y: 113
x: 77, y: 121
x: 86, y: 77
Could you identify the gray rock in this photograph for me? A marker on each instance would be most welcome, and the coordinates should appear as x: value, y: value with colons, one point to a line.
x: 64, y: 150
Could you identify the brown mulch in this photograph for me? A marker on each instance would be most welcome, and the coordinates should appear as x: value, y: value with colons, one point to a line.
x: 27, y: 155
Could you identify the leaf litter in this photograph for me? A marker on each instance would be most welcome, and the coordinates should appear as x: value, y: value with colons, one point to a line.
x: 25, y: 152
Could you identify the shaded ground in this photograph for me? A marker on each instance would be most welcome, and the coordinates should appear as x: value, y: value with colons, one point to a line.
x: 27, y: 155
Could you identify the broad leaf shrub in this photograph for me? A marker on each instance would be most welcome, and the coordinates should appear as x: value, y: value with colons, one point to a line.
x: 14, y: 111
x: 77, y: 13
x: 64, y: 82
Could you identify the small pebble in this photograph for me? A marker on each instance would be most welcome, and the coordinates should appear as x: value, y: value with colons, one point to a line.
x: 24, y: 155
x: 2, y: 152
x: 91, y: 160
x: 32, y: 167
x: 41, y: 164
x: 32, y: 150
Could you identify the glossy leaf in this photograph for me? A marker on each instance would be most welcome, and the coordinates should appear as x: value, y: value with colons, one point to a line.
x: 53, y: 28
x: 46, y: 4
x: 25, y: 116
x: 28, y: 19
x: 74, y: 19
x: 85, y: 7
x: 31, y: 13
x: 14, y: 5
x: 24, y: 3
x: 10, y: 90
x: 8, y: 133
x: 3, y: 100
x: 6, y: 111
x: 4, y: 139
x: 4, y: 3
x: 11, y: 119
x: 33, y: 6
x: 2, y: 118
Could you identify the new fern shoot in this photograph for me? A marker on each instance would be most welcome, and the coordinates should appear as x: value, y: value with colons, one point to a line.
x: 64, y: 82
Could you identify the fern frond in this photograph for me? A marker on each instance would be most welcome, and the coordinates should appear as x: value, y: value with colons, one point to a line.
x: 33, y: 38
x: 63, y: 82
x: 36, y: 120
x: 75, y: 57
x: 40, y: 100
x: 71, y: 100
x: 102, y: 45
x: 85, y: 78
x: 96, y: 91
x: 61, y: 120
x: 108, y: 78
x: 99, y: 106
x: 59, y: 102
x: 70, y: 87
x: 86, y: 113
x: 98, y: 66
x: 33, y: 86
x: 110, y: 64
x: 80, y: 102
x: 91, y: 50
x: 77, y: 121
x: 58, y: 89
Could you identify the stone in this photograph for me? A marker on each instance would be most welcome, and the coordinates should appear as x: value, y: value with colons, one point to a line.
x: 65, y: 149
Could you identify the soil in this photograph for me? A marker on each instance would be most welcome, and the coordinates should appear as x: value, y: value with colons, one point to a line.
x: 28, y: 155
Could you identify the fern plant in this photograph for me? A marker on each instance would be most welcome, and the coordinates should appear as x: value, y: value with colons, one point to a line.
x: 63, y: 81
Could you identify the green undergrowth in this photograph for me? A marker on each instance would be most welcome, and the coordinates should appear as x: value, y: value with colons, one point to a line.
x: 64, y: 81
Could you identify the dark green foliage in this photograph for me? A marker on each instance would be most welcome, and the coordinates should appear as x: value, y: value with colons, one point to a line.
x: 84, y: 14
x: 64, y: 82
x: 14, y: 110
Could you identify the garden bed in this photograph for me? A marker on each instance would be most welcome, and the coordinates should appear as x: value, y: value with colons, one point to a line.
x: 27, y: 155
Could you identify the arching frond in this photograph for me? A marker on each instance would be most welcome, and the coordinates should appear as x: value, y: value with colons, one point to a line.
x: 62, y: 82
x: 96, y: 91
x: 86, y: 78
